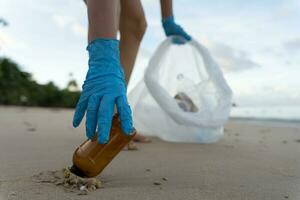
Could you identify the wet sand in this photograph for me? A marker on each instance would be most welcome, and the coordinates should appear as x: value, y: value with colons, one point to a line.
x: 255, y: 160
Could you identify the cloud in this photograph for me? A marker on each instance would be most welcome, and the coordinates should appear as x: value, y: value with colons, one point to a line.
x: 231, y: 59
x: 69, y: 23
x: 286, y: 9
x: 62, y: 20
x: 292, y: 45
x: 8, y: 40
x: 78, y: 29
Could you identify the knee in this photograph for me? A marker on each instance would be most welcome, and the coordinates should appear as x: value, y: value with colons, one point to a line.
x: 137, y: 28
x: 141, y: 27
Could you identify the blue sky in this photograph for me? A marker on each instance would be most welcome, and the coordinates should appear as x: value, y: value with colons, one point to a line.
x: 256, y: 43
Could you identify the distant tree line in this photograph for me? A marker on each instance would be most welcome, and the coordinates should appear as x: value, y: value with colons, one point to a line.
x: 18, y: 88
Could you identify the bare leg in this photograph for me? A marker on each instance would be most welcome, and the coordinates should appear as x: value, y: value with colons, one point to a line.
x: 132, y: 28
x: 103, y: 19
x: 104, y: 22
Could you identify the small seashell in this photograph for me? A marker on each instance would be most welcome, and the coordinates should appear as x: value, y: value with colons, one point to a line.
x: 98, y: 184
x: 165, y: 179
x: 82, y: 188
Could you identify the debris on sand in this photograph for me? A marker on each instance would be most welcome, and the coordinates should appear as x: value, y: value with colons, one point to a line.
x: 69, y: 181
x: 298, y: 140
x: 29, y: 126
x: 31, y: 129
x: 27, y: 123
x: 148, y: 170
x: 12, y: 194
x: 83, y: 190
x: 164, y: 179
x: 157, y: 183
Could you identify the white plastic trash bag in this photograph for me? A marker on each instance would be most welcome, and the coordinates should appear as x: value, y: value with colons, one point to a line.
x: 183, y: 96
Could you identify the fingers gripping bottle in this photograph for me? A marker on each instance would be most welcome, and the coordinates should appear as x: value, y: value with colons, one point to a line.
x: 90, y: 158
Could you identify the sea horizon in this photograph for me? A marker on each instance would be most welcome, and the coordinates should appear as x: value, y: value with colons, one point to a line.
x: 268, y: 113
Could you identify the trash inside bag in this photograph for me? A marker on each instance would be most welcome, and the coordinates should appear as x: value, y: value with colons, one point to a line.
x: 183, y: 96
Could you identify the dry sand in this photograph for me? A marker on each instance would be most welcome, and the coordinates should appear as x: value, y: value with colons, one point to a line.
x: 255, y: 160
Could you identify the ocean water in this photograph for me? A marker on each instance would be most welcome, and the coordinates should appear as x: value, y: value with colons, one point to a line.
x: 285, y: 113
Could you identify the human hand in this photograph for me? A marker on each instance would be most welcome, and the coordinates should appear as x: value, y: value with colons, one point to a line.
x: 103, y: 88
x: 173, y: 29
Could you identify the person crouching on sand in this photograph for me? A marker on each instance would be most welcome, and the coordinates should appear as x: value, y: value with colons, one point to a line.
x: 111, y: 62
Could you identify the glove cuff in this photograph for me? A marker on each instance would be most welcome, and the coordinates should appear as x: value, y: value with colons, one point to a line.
x: 104, y: 54
x: 168, y: 20
x: 103, y: 48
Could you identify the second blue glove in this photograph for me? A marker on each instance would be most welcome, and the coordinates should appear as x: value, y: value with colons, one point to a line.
x: 173, y: 29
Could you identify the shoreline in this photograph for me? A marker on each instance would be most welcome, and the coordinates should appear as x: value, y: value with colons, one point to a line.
x: 274, y: 120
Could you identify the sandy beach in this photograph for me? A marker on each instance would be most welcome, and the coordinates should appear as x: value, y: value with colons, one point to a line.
x: 254, y: 160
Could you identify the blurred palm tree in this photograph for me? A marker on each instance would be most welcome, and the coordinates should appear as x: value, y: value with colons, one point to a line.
x: 72, y: 85
x: 3, y: 22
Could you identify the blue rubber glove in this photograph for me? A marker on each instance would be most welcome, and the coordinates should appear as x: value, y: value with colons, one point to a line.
x: 103, y: 88
x: 173, y: 29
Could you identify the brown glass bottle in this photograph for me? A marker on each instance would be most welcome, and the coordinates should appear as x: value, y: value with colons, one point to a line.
x: 90, y: 158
